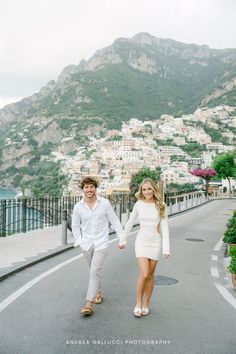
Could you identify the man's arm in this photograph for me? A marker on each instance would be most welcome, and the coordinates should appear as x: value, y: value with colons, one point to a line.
x: 76, y: 225
x: 114, y: 220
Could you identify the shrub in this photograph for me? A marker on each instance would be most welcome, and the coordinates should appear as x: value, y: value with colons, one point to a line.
x: 230, y: 233
x: 232, y: 266
x: 232, y: 252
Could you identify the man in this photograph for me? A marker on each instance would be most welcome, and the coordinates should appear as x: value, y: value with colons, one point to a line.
x: 90, y: 228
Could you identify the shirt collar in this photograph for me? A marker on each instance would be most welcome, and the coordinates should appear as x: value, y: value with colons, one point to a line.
x: 99, y: 199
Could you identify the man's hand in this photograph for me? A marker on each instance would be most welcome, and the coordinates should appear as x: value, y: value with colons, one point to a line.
x: 121, y: 247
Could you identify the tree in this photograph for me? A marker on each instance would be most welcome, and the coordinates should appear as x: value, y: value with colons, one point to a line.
x: 206, y: 174
x: 145, y: 172
x: 175, y: 187
x: 225, y: 166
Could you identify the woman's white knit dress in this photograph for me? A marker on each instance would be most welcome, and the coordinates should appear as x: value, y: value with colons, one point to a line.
x: 149, y: 242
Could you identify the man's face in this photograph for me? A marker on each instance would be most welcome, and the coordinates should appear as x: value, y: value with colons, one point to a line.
x: 89, y: 190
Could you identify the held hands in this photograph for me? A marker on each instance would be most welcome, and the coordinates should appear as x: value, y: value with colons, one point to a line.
x: 121, y: 247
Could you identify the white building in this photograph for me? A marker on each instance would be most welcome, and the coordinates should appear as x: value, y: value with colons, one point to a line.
x: 170, y: 176
x: 135, y: 123
x: 170, y: 150
x: 131, y: 155
x: 207, y: 157
x: 179, y: 140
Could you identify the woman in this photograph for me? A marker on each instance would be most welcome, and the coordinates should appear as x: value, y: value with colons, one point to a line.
x: 152, y: 240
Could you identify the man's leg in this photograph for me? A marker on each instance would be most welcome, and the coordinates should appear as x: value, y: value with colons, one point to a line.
x: 88, y: 256
x: 95, y: 261
x: 95, y: 286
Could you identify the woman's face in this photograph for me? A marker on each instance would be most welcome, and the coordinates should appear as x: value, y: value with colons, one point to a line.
x: 147, y: 191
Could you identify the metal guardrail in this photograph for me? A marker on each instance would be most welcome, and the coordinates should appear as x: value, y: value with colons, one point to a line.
x: 27, y: 214
x: 123, y: 205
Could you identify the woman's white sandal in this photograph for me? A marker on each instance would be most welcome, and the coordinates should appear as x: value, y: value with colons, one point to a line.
x: 145, y: 311
x: 137, y: 311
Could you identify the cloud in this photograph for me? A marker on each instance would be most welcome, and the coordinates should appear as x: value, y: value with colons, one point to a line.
x: 39, y: 38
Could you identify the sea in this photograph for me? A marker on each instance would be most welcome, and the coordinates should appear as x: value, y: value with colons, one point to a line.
x: 14, y: 217
x: 7, y: 193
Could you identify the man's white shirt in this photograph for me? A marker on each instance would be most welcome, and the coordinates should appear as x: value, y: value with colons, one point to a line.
x: 91, y: 226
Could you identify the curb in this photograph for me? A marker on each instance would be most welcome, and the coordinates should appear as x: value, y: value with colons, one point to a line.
x: 38, y: 260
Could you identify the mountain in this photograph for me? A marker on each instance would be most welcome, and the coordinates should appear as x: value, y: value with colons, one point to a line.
x: 140, y: 77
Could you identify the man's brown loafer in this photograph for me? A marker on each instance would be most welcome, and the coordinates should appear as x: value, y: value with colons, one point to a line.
x: 87, y: 311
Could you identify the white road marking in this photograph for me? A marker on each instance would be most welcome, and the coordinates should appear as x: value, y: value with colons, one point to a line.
x: 34, y: 281
x: 218, y: 245
x: 5, y: 303
x: 214, y: 272
x: 214, y: 258
x: 221, y: 288
x: 226, y: 294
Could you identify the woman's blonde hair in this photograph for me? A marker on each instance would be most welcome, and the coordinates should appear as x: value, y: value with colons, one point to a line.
x: 159, y: 202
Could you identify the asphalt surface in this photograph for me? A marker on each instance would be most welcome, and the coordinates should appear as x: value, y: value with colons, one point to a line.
x: 190, y: 316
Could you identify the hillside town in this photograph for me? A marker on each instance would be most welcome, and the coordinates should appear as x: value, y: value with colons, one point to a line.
x: 158, y: 143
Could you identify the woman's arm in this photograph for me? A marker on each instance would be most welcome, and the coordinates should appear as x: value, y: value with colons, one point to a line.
x: 132, y: 219
x: 165, y: 236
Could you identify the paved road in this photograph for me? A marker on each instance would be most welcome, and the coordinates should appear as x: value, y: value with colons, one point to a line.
x: 190, y: 316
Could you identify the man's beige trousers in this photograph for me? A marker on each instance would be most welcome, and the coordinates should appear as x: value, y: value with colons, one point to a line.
x: 95, y: 261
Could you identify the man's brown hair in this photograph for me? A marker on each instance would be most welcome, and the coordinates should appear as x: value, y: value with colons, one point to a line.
x: 88, y: 180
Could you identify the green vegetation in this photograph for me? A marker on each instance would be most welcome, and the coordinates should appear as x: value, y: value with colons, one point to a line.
x: 66, y: 123
x: 145, y: 172
x: 42, y: 177
x: 175, y: 187
x: 119, y: 92
x: 165, y: 142
x: 215, y: 134
x: 89, y: 153
x: 230, y: 238
x: 49, y: 180
x: 227, y: 99
x: 115, y: 138
x: 137, y: 135
x: 72, y: 153
x: 232, y: 266
x: 233, y: 113
x: 225, y: 166
x: 194, y: 149
x: 81, y: 139
x: 230, y: 233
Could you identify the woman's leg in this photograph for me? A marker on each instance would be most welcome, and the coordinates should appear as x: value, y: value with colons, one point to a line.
x: 149, y: 283
x: 143, y: 276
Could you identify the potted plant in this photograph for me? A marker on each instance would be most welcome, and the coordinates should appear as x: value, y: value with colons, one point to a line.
x: 232, y: 266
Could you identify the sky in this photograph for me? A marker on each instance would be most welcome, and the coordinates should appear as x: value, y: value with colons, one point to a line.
x: 38, y: 38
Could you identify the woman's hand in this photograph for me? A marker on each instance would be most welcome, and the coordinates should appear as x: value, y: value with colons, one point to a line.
x: 166, y: 256
x: 121, y: 247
